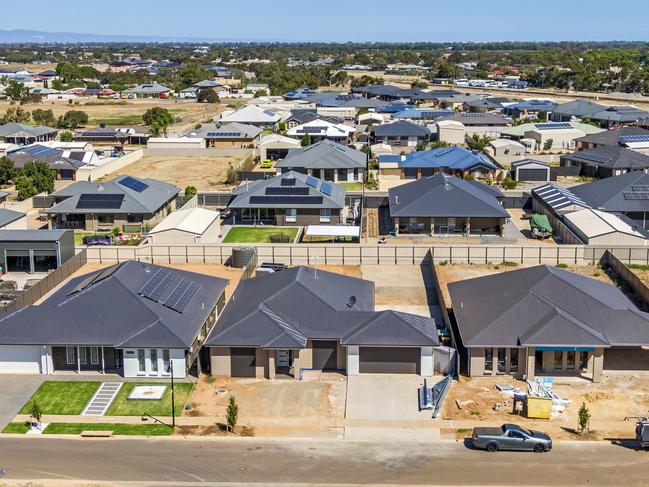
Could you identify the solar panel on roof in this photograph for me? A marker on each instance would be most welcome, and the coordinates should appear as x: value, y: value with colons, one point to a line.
x: 100, y: 201
x: 170, y: 280
x: 474, y: 115
x: 640, y: 187
x: 313, y: 182
x: 285, y: 200
x: 286, y: 190
x: 593, y: 157
x: 311, y: 130
x: 632, y: 195
x: 553, y: 126
x: 287, y: 182
x: 634, y: 138
x: 224, y: 134
x: 181, y: 296
x: 153, y: 282
x: 326, y: 188
x: 133, y: 184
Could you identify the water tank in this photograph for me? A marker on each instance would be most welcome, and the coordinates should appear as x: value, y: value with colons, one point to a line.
x: 241, y: 256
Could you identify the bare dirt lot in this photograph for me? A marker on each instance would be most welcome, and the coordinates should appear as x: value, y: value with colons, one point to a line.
x: 273, y: 408
x: 206, y: 173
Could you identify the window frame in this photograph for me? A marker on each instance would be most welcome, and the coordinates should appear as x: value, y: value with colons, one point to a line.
x: 291, y: 215
x: 67, y: 356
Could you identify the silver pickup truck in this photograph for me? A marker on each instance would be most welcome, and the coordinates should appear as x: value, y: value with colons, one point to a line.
x: 511, y: 437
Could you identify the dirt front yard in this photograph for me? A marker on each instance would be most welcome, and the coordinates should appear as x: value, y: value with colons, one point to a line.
x: 206, y: 173
x: 272, y: 407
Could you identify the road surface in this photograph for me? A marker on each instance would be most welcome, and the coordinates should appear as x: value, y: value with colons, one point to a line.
x: 248, y: 461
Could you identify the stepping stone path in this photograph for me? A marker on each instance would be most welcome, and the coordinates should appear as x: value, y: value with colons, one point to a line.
x: 99, y: 403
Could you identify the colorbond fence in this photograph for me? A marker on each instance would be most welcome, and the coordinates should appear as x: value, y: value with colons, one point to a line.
x: 323, y: 254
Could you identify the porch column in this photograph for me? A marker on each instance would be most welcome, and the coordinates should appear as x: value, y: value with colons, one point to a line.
x: 426, y: 362
x: 530, y: 362
x: 78, y: 360
x: 103, y: 368
x: 598, y: 364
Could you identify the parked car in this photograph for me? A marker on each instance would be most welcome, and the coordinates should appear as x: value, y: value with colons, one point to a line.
x: 511, y: 437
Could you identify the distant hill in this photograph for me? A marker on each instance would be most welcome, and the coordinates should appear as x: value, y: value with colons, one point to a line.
x: 40, y: 37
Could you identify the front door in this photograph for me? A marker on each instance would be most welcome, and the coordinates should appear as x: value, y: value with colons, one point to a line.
x: 283, y: 358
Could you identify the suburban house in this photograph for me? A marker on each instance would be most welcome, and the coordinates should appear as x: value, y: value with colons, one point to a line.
x: 553, y: 135
x: 125, y: 202
x: 420, y: 114
x: 326, y: 160
x: 484, y: 124
x: 320, y: 129
x: 546, y: 321
x: 606, y: 161
x: 595, y: 227
x: 401, y: 134
x: 191, y: 226
x: 629, y: 137
x: 529, y: 108
x: 147, y: 90
x: 506, y: 147
x: 520, y: 132
x: 12, y: 220
x: 134, y: 319
x: 304, y: 319
x: 275, y: 146
x: 21, y: 134
x: 33, y: 251
x: 227, y: 135
x: 113, y: 136
x: 292, y: 199
x: 619, y: 115
x: 348, y: 101
x: 575, y: 109
x: 302, y: 116
x: 456, y: 161
x: 443, y: 204
x: 65, y: 162
x: 488, y: 104
x: 251, y: 115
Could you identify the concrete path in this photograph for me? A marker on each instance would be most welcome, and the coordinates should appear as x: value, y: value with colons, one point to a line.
x: 15, y: 390
x: 98, y: 405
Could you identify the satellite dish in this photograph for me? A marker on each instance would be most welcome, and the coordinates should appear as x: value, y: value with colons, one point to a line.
x: 351, y: 302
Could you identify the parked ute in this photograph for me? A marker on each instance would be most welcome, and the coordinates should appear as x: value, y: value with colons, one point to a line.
x: 511, y: 437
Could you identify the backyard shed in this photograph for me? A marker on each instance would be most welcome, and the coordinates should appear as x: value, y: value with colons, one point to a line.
x: 596, y: 227
x: 195, y: 225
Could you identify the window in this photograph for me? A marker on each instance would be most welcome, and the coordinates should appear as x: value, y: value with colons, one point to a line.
x: 94, y: 356
x: 69, y: 356
x: 488, y: 360
x: 141, y: 366
x: 502, y: 357
x: 134, y: 218
x: 570, y: 361
x: 325, y: 215
x: 516, y: 434
x: 342, y: 174
x: 355, y: 174
x: 558, y: 360
x: 291, y: 215
x: 513, y: 360
x: 166, y: 363
x: 105, y: 219
x: 154, y: 360
x: 83, y: 360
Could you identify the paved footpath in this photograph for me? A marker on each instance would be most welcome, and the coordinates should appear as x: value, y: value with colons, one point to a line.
x: 248, y: 461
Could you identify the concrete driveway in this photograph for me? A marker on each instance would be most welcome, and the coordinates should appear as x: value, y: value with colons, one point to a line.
x: 390, y: 397
x: 16, y: 390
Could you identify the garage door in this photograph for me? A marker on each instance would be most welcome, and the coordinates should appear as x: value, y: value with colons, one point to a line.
x: 15, y: 359
x: 532, y: 175
x: 242, y: 362
x: 324, y: 355
x: 388, y: 360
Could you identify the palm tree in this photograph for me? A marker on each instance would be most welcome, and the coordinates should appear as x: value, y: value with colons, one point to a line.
x: 478, y: 142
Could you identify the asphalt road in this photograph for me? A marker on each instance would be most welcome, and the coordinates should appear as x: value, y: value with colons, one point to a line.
x: 190, y: 462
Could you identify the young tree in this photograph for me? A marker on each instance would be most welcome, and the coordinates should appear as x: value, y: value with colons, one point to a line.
x: 7, y: 170
x: 44, y: 117
x: 25, y: 187
x: 232, y: 413
x: 66, y: 136
x: 73, y: 119
x: 41, y: 175
x: 306, y: 140
x: 36, y: 412
x: 190, y: 191
x: 583, y: 417
x: 158, y: 119
x: 548, y: 144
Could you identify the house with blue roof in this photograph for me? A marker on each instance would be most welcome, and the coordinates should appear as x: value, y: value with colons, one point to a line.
x: 456, y: 161
x: 530, y: 108
x: 419, y: 114
x: 394, y: 107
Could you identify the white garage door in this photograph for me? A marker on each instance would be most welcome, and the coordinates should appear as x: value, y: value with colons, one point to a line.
x: 18, y: 359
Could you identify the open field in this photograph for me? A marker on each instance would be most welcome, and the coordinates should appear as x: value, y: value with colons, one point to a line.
x: 206, y: 173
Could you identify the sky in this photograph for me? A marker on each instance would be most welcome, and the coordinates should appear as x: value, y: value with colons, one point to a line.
x: 340, y: 21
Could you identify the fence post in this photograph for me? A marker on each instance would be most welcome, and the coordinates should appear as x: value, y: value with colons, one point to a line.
x: 539, y: 255
x: 468, y: 254
x: 100, y: 261
x: 629, y: 255
x: 413, y: 255
x: 450, y: 254
x: 557, y: 255
x: 361, y: 255
x: 204, y: 262
x: 522, y: 257
x: 221, y: 252
x: 272, y: 249
x: 307, y: 256
x: 290, y: 255
x: 575, y: 255
x: 503, y: 253
x: 378, y: 261
x: 169, y: 253
x: 325, y: 255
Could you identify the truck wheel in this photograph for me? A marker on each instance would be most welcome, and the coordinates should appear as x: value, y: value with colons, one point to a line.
x: 539, y: 448
x: 492, y: 447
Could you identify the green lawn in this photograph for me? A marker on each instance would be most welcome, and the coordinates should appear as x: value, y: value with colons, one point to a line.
x: 20, y: 428
x: 78, y: 236
x: 258, y: 234
x: 117, y: 429
x: 640, y: 267
x: 123, y: 120
x: 121, y: 406
x: 352, y: 186
x: 59, y: 397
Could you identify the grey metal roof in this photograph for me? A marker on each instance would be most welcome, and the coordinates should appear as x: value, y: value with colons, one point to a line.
x: 545, y: 306
x: 442, y: 195
x: 559, y: 198
x: 110, y: 312
x: 325, y: 154
x: 234, y: 130
x: 150, y: 200
x: 402, y: 128
x: 609, y: 194
x: 477, y: 119
x: 53, y: 157
x: 16, y: 129
x: 287, y: 308
x: 246, y: 194
x: 32, y: 235
x: 309, y: 115
x: 9, y: 216
x: 147, y: 89
x: 610, y: 156
x: 612, y: 137
x: 578, y: 108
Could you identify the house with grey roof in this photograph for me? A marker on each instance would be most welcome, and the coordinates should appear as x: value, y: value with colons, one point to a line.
x: 147, y: 90
x: 304, y: 319
x: 575, y: 109
x: 606, y: 161
x: 233, y: 134
x: 444, y: 204
x: 292, y: 199
x: 326, y: 160
x: 21, y: 134
x: 133, y: 319
x: 113, y: 136
x: 64, y: 162
x: 11, y: 219
x: 401, y: 135
x: 627, y: 136
x: 546, y: 321
x: 128, y: 203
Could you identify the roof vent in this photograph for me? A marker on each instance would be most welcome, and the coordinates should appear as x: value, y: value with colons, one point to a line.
x: 396, y: 199
x: 100, y: 187
x: 351, y: 302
